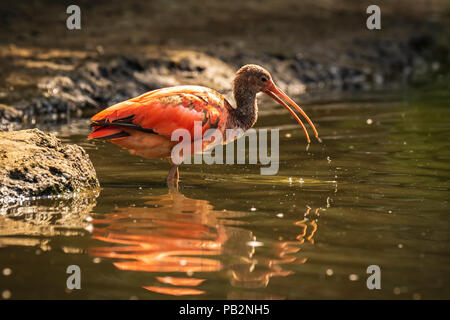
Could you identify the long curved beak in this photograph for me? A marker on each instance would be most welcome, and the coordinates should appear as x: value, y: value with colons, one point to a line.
x: 279, y: 96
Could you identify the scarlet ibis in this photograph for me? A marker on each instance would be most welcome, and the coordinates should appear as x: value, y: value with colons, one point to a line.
x: 144, y: 124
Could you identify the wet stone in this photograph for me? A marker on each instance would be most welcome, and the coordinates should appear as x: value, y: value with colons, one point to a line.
x: 36, y: 164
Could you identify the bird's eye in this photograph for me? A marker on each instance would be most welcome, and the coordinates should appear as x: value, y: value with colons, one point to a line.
x: 263, y: 79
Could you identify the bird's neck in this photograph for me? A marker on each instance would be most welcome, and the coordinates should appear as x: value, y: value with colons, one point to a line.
x: 246, y: 112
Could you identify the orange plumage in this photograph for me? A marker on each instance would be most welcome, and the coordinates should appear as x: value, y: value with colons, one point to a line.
x: 163, y: 111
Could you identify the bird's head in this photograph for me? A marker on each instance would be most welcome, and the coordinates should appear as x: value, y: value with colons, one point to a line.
x: 258, y: 79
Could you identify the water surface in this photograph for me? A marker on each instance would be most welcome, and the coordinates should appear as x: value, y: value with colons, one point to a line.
x: 375, y: 192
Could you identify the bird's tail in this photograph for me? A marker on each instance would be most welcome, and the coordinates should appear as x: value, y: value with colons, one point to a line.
x: 108, y: 133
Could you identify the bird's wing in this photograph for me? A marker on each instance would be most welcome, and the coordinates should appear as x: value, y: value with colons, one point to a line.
x: 163, y: 111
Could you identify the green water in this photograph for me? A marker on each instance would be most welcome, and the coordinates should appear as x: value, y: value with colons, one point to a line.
x: 375, y: 192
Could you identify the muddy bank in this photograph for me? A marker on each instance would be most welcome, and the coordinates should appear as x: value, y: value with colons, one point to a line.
x: 50, y: 86
x: 126, y: 48
x: 36, y: 164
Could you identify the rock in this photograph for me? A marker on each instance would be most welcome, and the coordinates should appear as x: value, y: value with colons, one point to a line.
x: 37, y: 164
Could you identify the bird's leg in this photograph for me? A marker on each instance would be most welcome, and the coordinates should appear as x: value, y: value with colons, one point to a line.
x: 172, y: 178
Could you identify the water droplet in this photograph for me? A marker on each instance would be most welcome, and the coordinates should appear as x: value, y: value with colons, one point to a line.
x: 6, y: 294
x: 7, y: 272
x: 353, y: 277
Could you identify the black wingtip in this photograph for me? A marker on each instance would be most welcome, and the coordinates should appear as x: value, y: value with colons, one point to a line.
x: 120, y: 134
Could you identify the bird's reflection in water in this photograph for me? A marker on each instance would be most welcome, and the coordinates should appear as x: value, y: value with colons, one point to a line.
x: 182, y: 238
